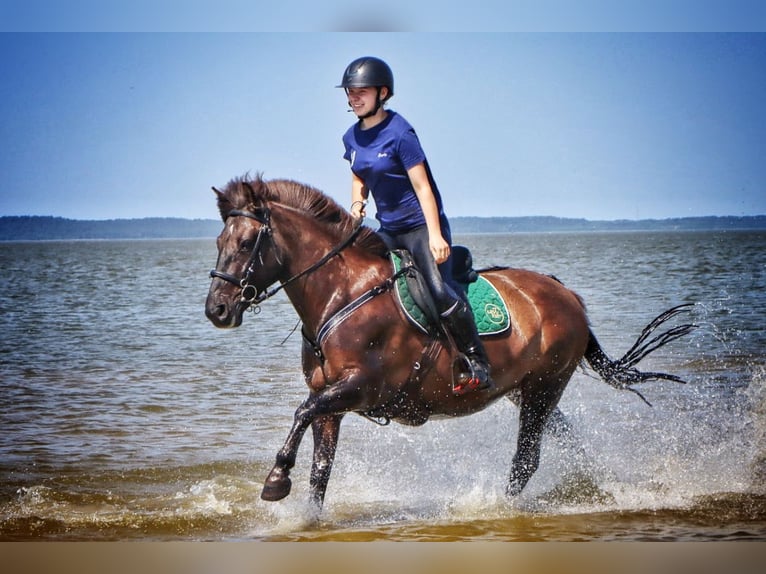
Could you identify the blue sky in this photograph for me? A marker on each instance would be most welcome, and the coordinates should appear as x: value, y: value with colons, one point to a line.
x: 593, y: 125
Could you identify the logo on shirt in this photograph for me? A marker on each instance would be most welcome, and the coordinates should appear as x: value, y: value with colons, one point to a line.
x: 382, y: 154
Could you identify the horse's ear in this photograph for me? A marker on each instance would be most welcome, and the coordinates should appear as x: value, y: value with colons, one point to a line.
x: 224, y: 205
x: 256, y: 190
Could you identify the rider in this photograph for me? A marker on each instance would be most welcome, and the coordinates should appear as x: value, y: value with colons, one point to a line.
x: 388, y: 161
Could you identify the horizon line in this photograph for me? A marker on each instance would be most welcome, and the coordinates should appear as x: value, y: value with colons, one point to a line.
x: 451, y: 218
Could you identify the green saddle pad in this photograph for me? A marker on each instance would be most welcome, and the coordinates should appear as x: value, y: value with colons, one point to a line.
x: 489, y: 310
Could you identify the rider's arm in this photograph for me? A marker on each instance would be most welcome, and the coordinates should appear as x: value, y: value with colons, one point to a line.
x: 359, y: 194
x: 419, y: 179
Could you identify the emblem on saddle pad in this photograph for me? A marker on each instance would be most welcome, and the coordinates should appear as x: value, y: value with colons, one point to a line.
x: 489, y: 309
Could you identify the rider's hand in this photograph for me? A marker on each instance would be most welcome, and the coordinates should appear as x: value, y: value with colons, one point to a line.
x: 357, y: 209
x: 439, y: 248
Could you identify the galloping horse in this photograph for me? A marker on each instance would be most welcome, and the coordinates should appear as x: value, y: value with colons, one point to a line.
x: 360, y: 352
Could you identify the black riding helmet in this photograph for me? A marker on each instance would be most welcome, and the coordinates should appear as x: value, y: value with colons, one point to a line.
x: 366, y: 72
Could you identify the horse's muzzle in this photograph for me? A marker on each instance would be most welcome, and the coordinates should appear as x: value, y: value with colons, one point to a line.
x: 222, y: 314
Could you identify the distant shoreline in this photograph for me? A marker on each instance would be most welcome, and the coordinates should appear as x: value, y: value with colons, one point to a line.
x: 42, y: 228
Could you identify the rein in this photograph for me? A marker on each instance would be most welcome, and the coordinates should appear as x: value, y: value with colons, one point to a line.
x: 250, y: 294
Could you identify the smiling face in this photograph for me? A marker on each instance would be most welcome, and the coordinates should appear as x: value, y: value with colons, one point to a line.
x: 363, y: 101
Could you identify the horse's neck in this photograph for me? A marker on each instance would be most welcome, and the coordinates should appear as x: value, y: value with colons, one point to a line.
x: 319, y: 294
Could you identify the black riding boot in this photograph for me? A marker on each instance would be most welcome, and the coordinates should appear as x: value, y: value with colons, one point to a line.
x: 462, y: 327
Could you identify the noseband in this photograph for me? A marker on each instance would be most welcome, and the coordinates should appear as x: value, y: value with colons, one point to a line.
x: 250, y: 294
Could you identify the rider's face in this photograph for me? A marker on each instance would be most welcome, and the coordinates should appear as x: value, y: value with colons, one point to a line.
x: 363, y: 100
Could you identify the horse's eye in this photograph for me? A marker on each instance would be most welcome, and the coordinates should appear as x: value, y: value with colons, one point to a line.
x: 246, y: 245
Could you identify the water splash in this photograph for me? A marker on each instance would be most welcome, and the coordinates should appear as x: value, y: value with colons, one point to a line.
x: 756, y: 394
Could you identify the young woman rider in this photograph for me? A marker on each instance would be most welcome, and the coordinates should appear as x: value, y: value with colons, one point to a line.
x: 388, y: 161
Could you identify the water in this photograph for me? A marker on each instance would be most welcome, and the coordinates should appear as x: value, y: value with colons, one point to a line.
x: 127, y: 415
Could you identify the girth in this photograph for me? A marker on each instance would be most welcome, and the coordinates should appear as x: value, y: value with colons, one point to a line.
x: 401, y: 407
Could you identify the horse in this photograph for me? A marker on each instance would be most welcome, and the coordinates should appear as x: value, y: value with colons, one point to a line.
x: 361, y: 354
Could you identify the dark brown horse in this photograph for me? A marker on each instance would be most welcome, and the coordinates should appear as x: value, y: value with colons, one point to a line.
x: 361, y: 354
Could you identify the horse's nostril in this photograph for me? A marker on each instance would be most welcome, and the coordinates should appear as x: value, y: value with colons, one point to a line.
x: 216, y: 312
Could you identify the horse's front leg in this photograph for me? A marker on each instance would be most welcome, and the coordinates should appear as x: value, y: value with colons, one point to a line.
x: 278, y: 483
x: 332, y: 402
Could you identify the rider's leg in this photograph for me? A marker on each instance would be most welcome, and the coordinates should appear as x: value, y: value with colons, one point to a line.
x: 459, y: 320
x: 452, y: 307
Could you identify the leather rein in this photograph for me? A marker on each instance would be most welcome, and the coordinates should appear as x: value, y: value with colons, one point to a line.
x: 250, y: 294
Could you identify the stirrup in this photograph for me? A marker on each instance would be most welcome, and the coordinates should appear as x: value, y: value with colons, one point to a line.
x: 473, y: 378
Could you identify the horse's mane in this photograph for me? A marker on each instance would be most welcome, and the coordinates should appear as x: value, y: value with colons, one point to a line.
x: 247, y: 193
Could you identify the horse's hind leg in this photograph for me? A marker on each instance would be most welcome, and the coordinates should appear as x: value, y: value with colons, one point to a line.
x: 558, y: 426
x: 326, y: 430
x: 557, y: 423
x: 535, y: 415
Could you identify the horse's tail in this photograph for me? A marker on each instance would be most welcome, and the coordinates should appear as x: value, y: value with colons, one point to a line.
x: 621, y: 373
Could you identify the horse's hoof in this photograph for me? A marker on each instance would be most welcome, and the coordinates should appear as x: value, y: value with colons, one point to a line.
x: 274, y: 490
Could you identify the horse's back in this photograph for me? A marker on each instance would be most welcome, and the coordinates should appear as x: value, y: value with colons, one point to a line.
x: 522, y: 288
x: 546, y: 316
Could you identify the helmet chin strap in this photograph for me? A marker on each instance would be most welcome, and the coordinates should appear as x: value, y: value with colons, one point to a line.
x: 378, y: 103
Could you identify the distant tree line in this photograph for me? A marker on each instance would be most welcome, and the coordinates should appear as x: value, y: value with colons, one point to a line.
x: 42, y: 228
x: 32, y: 227
x: 552, y: 224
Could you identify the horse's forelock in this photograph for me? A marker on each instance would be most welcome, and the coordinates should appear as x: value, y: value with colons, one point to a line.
x: 240, y: 193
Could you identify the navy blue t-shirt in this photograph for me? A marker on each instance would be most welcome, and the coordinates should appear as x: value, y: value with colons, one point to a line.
x: 381, y: 156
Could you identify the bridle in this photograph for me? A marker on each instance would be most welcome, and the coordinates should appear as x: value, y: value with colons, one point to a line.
x: 250, y: 293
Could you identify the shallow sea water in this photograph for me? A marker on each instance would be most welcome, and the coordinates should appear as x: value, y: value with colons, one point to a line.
x: 127, y: 416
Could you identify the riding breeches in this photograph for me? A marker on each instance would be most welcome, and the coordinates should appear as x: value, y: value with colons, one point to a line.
x: 438, y: 277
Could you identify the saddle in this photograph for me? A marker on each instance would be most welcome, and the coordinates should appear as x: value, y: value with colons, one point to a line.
x: 489, y: 309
